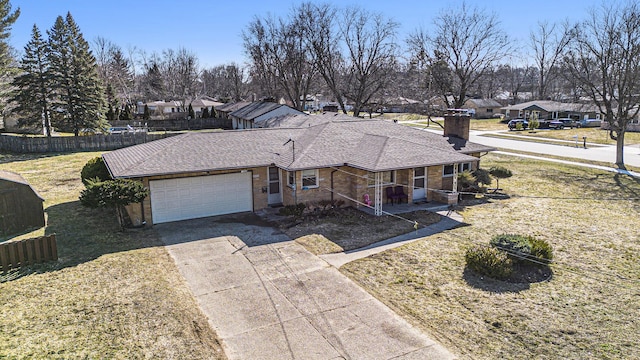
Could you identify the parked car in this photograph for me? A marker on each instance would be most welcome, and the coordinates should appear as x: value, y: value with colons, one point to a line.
x: 570, y: 123
x: 556, y: 125
x: 589, y: 123
x: 120, y: 130
x: 513, y: 124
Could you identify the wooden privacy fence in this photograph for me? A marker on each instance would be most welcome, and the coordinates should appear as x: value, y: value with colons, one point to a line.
x: 27, y: 252
x: 24, y: 144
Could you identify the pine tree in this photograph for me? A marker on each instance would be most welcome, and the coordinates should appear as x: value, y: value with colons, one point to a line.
x: 192, y: 114
x: 7, y: 68
x: 33, y: 86
x: 126, y: 114
x: 147, y: 114
x: 205, y: 113
x: 79, y: 90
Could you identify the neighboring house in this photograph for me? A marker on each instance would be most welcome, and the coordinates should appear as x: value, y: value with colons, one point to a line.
x: 20, y: 205
x: 224, y: 110
x: 548, y: 110
x: 163, y: 109
x: 482, y: 108
x: 205, y: 174
x: 403, y: 105
x: 252, y: 115
x: 303, y: 120
x: 203, y: 102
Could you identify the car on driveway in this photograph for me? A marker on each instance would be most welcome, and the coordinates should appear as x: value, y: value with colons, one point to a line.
x: 513, y: 124
x: 589, y: 123
x: 568, y: 123
x: 556, y: 125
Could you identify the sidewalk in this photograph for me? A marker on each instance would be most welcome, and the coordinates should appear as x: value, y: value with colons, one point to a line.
x: 449, y: 221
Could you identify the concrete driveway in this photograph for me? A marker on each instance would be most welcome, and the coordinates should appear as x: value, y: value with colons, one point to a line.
x: 269, y: 298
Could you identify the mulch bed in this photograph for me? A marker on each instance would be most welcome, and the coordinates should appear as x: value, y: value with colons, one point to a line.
x: 350, y: 228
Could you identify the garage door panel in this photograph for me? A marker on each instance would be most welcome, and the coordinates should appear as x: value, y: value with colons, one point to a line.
x: 194, y: 197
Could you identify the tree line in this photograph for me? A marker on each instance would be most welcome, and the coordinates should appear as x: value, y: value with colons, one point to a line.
x: 351, y: 55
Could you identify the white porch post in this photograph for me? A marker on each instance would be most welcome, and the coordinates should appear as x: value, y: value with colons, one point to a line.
x: 378, y: 194
x: 455, y: 178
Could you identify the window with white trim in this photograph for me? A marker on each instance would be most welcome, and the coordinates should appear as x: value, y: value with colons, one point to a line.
x: 388, y: 178
x: 447, y: 171
x: 464, y: 167
x: 310, y: 178
x: 291, y: 178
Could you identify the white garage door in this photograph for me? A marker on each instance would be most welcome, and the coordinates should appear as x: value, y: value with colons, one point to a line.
x: 201, y: 196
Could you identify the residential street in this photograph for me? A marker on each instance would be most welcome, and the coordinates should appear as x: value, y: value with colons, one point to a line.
x: 601, y: 153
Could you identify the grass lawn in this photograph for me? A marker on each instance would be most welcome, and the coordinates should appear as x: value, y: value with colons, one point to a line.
x: 112, y: 294
x: 587, y: 310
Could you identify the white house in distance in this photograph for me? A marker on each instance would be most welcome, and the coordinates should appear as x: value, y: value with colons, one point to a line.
x: 172, y: 108
x: 256, y: 112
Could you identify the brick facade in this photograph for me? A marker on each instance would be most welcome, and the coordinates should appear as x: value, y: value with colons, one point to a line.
x: 348, y: 184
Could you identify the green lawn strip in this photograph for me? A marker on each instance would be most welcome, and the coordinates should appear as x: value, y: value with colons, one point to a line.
x: 576, y: 160
x: 586, y: 310
x: 112, y: 294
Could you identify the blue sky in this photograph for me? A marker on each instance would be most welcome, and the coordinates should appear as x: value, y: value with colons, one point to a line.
x: 212, y: 28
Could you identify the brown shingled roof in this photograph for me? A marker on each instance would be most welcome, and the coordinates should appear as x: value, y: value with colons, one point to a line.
x: 373, y: 145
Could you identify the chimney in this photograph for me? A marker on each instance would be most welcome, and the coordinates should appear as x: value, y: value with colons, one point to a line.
x: 456, y: 123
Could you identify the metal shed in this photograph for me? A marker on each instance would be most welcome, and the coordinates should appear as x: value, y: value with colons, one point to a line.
x: 20, y: 205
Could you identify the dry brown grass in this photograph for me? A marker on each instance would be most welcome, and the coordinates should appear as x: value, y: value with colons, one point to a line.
x: 348, y: 229
x: 111, y: 295
x: 587, y: 310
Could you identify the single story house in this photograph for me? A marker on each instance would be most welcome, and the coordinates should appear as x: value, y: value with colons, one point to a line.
x: 224, y: 110
x: 203, y: 102
x: 250, y: 116
x: 20, y: 205
x: 302, y: 120
x: 162, y: 109
x: 205, y: 174
x: 482, y: 108
x: 549, y: 110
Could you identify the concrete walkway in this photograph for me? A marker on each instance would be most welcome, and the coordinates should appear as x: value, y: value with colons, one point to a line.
x: 269, y: 298
x: 449, y: 221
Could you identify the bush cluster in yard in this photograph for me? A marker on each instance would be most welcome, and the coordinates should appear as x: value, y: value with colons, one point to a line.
x: 506, y: 254
x: 489, y: 261
x: 94, y: 169
x: 293, y: 210
x: 523, y: 247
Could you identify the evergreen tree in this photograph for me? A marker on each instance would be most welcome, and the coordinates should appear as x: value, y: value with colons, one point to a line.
x: 33, y: 86
x: 7, y: 67
x: 126, y: 114
x: 205, y: 113
x: 192, y: 114
x: 80, y: 94
x: 147, y: 114
x: 111, y: 114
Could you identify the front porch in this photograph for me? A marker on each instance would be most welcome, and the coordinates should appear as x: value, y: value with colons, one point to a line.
x: 402, y: 208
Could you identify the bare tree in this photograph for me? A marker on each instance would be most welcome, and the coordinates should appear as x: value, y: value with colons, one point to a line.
x: 469, y: 41
x: 226, y: 82
x: 603, y: 58
x: 278, y: 52
x: 321, y: 30
x: 370, y: 45
x: 515, y: 80
x: 548, y: 45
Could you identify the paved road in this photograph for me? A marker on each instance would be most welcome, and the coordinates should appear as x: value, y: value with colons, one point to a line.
x: 605, y: 154
x: 269, y: 298
x: 600, y: 153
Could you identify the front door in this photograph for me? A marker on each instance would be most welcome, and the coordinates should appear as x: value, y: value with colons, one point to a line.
x: 275, y: 195
x: 419, y: 183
